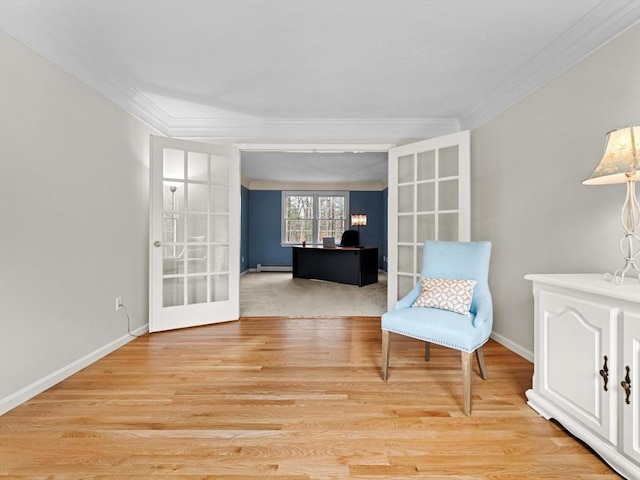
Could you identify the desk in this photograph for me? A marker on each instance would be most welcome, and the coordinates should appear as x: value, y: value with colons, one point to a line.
x: 354, y: 266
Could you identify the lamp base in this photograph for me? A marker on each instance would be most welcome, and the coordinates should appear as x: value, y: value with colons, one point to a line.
x: 630, y: 261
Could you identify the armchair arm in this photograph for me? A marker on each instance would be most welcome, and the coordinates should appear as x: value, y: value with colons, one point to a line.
x: 409, y: 298
x: 484, y: 312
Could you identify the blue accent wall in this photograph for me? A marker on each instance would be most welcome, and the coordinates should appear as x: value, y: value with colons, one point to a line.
x: 264, y: 229
x: 264, y: 225
x: 244, y: 228
x: 371, y: 204
x: 385, y: 228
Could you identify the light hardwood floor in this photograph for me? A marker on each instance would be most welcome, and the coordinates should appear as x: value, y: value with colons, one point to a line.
x: 288, y: 399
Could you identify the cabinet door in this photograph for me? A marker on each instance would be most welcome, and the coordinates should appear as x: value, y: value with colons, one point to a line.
x: 631, y: 410
x: 575, y: 336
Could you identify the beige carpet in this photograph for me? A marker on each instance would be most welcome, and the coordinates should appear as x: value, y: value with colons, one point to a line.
x: 277, y: 294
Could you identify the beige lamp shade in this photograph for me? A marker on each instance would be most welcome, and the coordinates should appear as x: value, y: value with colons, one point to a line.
x: 621, y: 159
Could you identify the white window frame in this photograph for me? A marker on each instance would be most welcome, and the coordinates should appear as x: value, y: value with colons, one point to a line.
x: 315, y: 194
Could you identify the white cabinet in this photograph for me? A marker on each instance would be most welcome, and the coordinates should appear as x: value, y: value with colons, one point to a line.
x: 631, y: 359
x: 587, y: 332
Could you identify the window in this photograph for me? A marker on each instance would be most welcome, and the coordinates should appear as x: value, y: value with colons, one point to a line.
x: 311, y: 216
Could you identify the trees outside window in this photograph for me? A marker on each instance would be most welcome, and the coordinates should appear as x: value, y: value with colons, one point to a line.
x: 311, y: 216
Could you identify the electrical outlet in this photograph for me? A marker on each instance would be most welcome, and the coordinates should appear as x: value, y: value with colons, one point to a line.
x: 118, y: 303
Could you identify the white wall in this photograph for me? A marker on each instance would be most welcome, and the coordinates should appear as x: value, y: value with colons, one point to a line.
x: 73, y: 223
x: 527, y: 167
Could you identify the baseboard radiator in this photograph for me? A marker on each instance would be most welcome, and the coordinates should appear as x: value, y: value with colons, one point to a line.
x: 273, y: 268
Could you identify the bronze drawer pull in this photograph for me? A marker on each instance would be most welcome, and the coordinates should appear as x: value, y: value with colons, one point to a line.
x: 626, y: 384
x: 604, y: 373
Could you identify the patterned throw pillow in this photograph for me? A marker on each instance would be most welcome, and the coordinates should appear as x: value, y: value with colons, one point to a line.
x: 446, y: 294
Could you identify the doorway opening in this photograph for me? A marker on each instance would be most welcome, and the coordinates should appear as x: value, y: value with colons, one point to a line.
x: 267, y: 170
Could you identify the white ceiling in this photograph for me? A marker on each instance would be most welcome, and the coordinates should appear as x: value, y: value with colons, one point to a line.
x: 321, y: 69
x: 327, y: 168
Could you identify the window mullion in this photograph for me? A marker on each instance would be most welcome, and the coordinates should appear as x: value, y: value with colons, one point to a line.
x: 315, y: 218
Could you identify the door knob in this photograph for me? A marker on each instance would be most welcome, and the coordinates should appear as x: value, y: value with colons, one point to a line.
x: 157, y: 243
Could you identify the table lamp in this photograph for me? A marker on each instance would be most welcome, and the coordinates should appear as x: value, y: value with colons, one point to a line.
x: 359, y: 220
x: 621, y: 164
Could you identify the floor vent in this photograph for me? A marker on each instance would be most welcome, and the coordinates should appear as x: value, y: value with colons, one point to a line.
x: 273, y: 268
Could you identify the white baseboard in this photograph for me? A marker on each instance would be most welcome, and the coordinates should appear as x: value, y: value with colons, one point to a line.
x: 39, y: 386
x: 273, y: 268
x: 514, y: 347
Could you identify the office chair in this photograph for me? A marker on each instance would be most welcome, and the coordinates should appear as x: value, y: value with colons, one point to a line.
x: 350, y: 238
x: 442, y: 319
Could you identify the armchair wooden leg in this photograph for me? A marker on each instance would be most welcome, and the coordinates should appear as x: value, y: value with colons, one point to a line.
x: 481, y: 365
x: 466, y: 382
x: 427, y: 351
x: 386, y: 344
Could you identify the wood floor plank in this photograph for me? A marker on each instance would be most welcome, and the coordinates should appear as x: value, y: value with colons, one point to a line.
x: 289, y: 399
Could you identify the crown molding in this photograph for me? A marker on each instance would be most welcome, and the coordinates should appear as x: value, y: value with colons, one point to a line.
x: 350, y: 186
x: 314, y: 147
x: 602, y: 24
x: 312, y: 128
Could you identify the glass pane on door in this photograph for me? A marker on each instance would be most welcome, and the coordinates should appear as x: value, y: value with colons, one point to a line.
x: 406, y: 261
x: 426, y: 227
x: 173, y: 164
x: 219, y: 259
x: 219, y: 288
x: 405, y: 169
x: 220, y: 198
x: 405, y: 198
x: 426, y: 197
x: 219, y: 170
x: 405, y: 284
x: 172, y: 292
x: 198, y: 166
x: 426, y: 165
x: 197, y: 290
x: 448, y: 162
x: 198, y: 197
x: 219, y: 228
x: 448, y: 195
x: 448, y: 227
x: 195, y: 228
x: 405, y: 229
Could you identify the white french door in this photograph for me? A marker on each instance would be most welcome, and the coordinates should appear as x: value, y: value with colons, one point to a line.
x: 195, y: 234
x: 429, y: 199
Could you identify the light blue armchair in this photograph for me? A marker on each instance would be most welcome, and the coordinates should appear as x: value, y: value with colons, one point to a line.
x: 467, y: 333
